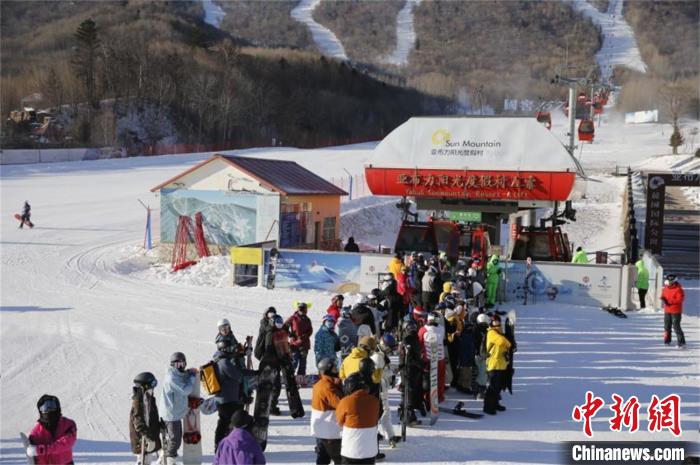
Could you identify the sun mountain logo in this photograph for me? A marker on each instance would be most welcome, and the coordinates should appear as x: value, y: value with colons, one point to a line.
x: 443, y: 138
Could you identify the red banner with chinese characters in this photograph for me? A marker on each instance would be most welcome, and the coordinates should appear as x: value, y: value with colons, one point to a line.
x: 492, y: 185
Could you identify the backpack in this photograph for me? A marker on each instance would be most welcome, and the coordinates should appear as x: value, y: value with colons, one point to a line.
x: 209, y: 379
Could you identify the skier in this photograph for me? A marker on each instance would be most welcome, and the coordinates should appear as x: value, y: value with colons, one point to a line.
x: 240, y: 447
x: 357, y: 414
x: 144, y: 422
x: 580, y: 256
x: 172, y: 404
x: 347, y: 332
x: 335, y: 306
x: 274, y: 354
x: 493, y: 271
x: 26, y: 214
x: 396, y: 265
x: 53, y: 436
x: 300, y: 329
x: 351, y: 246
x: 326, y: 341
x: 672, y: 297
x: 642, y: 282
x: 497, y: 348
x: 230, y: 376
x: 325, y: 396
x: 412, y: 372
x: 382, y: 363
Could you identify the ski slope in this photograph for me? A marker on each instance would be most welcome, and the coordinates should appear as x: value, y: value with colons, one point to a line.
x: 405, y: 35
x: 619, y: 45
x: 325, y: 40
x: 213, y: 13
x: 84, y: 309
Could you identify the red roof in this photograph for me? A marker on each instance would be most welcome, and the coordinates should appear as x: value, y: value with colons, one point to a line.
x: 285, y: 177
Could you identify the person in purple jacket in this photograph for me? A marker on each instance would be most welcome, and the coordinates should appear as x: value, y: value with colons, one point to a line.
x: 239, y: 447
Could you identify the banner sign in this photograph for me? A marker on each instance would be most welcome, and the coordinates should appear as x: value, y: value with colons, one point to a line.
x: 370, y: 268
x: 501, y: 185
x: 466, y: 217
x: 314, y: 269
x: 246, y: 256
x: 578, y: 284
x: 656, y: 198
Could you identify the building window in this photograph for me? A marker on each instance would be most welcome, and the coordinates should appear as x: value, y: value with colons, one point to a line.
x: 329, y: 229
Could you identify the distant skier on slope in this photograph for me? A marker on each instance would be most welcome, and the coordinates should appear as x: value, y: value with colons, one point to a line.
x: 54, y: 435
x: 26, y: 215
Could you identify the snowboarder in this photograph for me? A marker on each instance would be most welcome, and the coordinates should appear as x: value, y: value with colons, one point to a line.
x: 436, y: 330
x: 326, y: 341
x: 274, y: 335
x: 228, y: 358
x: 412, y: 371
x: 54, y: 435
x: 357, y: 414
x: 393, y: 303
x: 493, y: 271
x: 481, y: 376
x: 265, y: 325
x: 26, y: 215
x: 642, y: 282
x: 382, y: 363
x: 580, y: 256
x: 672, y: 297
x: 379, y: 311
x: 497, y: 348
x: 325, y: 398
x: 178, y: 384
x: 351, y: 246
x: 347, y: 332
x: 335, y: 306
x: 240, y: 447
x: 144, y: 425
x: 300, y: 329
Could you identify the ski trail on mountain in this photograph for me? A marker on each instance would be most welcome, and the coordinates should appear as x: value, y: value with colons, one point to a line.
x: 327, y: 43
x: 213, y: 13
x: 619, y: 45
x: 405, y: 35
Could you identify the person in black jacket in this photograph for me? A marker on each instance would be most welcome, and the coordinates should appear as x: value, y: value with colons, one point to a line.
x: 393, y: 303
x: 230, y: 377
x: 269, y: 352
x: 414, y: 371
x: 351, y: 246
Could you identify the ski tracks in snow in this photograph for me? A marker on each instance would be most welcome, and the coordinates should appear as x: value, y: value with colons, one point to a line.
x: 619, y: 45
x: 326, y: 41
x: 405, y: 35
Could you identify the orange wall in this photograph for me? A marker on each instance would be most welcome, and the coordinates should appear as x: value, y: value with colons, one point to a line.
x: 322, y: 206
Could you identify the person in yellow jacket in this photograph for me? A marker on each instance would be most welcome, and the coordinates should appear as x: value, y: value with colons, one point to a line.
x: 351, y: 364
x: 446, y: 290
x: 580, y: 256
x: 396, y: 265
x: 497, y: 348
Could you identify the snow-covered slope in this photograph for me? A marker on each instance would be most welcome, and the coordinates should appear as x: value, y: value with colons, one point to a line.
x: 619, y: 45
x: 327, y: 42
x: 213, y: 13
x: 405, y: 35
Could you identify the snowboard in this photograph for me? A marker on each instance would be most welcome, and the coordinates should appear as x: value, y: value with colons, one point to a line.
x: 263, y: 398
x: 404, y: 395
x: 614, y: 311
x: 433, y: 354
x: 26, y: 443
x: 509, y: 333
x: 459, y: 410
x: 296, y: 408
x: 18, y: 217
x: 272, y: 269
x: 191, y: 432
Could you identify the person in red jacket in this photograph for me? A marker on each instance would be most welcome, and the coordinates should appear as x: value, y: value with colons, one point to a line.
x: 672, y: 297
x: 53, y: 436
x: 335, y: 307
x: 300, y: 330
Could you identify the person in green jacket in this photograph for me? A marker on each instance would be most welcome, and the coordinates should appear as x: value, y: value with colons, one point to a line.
x: 642, y: 282
x: 579, y: 256
x: 492, y: 275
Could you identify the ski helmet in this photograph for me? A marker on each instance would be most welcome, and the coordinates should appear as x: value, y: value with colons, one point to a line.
x: 367, y: 368
x: 328, y: 366
x: 223, y: 322
x: 177, y: 357
x: 302, y: 306
x: 388, y: 343
x: 367, y: 343
x: 483, y: 319
x: 433, y: 319
x: 278, y: 321
x: 353, y: 383
x: 375, y: 293
x: 410, y: 327
x: 48, y: 403
x: 346, y: 312
x: 146, y: 380
x: 241, y: 419
x: 670, y: 279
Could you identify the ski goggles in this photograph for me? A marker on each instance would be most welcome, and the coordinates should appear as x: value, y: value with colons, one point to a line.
x: 49, y: 405
x: 179, y: 364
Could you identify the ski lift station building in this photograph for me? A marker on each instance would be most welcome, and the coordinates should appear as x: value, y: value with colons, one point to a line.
x: 249, y: 200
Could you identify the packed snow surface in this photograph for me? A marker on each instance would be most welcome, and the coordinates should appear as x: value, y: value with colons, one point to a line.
x: 405, y: 35
x: 84, y: 309
x: 327, y: 42
x: 619, y: 45
x: 213, y: 13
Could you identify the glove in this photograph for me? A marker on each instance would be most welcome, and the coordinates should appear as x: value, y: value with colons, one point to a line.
x: 664, y: 301
x: 33, y: 451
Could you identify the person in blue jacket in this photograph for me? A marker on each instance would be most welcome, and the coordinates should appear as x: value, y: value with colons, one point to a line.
x: 172, y: 404
x: 230, y: 376
x: 326, y: 342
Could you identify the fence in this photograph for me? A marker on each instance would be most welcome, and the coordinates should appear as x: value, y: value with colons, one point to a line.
x: 354, y: 184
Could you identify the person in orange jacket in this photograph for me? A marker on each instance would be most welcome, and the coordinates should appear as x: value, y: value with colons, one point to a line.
x: 325, y: 398
x: 358, y: 415
x: 672, y: 297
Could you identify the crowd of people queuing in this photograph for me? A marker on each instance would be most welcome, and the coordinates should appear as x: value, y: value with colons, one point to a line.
x: 418, y: 300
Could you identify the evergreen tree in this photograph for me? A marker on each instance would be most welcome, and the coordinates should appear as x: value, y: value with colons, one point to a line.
x: 85, y: 57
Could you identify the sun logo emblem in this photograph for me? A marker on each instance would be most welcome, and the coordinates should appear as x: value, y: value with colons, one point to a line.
x: 441, y: 136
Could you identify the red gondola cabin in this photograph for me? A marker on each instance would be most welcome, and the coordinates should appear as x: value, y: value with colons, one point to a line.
x: 586, y: 130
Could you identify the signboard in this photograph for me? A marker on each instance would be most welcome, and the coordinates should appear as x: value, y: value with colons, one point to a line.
x: 579, y: 284
x: 246, y: 256
x: 370, y: 268
x: 480, y: 185
x: 466, y: 217
x: 656, y: 196
x: 336, y: 272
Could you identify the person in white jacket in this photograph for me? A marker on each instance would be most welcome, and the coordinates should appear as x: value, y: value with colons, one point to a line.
x: 172, y: 404
x: 387, y: 345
